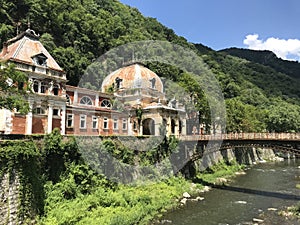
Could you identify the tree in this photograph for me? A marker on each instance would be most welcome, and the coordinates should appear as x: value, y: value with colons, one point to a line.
x: 283, y: 117
x: 13, y: 89
x: 243, y: 117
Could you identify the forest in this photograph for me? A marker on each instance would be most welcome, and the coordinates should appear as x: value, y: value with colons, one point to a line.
x: 261, y: 93
x: 259, y: 96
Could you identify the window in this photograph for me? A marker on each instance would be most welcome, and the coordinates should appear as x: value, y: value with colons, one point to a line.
x: 124, y: 124
x: 82, y: 121
x: 38, y: 111
x: 40, y: 60
x: 95, y: 122
x: 70, y: 120
x: 68, y: 99
x: 20, y: 85
x: 55, y: 112
x: 36, y: 86
x: 86, y: 100
x: 115, y: 124
x: 105, y: 103
x: 105, y: 123
x: 43, y: 87
x: 153, y: 80
x: 55, y: 89
x: 134, y: 125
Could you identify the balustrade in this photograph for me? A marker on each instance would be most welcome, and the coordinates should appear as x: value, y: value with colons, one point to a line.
x: 243, y: 136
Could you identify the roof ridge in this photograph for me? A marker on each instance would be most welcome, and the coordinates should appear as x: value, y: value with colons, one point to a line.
x: 22, y: 42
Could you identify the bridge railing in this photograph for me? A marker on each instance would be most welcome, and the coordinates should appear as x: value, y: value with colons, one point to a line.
x: 243, y: 136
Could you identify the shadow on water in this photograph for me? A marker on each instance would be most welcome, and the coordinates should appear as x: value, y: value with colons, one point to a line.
x: 250, y: 191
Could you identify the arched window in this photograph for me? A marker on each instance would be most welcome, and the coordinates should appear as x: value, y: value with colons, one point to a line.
x: 68, y: 99
x: 36, y: 86
x: 148, y: 127
x: 86, y: 100
x: 106, y: 103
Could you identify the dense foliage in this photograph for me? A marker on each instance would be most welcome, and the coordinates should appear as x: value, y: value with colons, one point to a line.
x: 267, y: 58
x: 22, y: 159
x: 12, y: 89
x: 78, y: 32
x: 258, y: 98
x: 57, y: 186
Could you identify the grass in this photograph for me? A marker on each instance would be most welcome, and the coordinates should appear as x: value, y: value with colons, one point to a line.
x: 126, y: 204
x: 220, y: 170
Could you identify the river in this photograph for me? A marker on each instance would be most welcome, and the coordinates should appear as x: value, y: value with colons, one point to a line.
x: 261, y: 193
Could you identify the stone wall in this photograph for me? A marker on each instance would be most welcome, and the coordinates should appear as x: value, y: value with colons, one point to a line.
x: 9, y: 198
x: 243, y: 155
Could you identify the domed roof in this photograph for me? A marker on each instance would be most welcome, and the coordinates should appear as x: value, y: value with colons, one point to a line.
x: 131, y: 77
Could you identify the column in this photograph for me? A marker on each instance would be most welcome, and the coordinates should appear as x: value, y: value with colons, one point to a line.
x: 75, y: 97
x: 50, y: 117
x: 183, y: 124
x: 63, y: 120
x: 176, y: 128
x: 168, y: 127
x: 141, y: 128
x: 29, y: 119
x: 39, y: 86
x: 129, y: 127
x: 158, y: 122
x: 97, y: 100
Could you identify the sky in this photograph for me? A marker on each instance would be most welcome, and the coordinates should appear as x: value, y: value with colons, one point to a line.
x: 254, y: 24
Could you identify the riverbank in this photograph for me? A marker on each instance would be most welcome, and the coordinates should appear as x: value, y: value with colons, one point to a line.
x: 218, y: 174
x: 58, y: 187
x: 292, y: 212
x: 123, y: 204
x: 255, y: 197
x: 128, y: 204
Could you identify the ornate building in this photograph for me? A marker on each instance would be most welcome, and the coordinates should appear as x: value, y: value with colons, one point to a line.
x: 47, y: 82
x: 141, y: 93
x: 131, y: 102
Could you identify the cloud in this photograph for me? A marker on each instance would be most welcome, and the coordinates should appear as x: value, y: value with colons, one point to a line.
x: 286, y: 49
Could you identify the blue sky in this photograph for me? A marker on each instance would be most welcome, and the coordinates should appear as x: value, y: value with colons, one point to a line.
x: 219, y: 24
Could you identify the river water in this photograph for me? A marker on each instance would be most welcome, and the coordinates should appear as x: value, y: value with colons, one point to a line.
x: 261, y: 193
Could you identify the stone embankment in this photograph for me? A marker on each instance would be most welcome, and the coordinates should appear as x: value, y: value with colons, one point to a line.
x: 9, y: 199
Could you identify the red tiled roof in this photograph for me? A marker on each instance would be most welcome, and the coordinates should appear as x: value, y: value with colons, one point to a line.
x: 23, y: 47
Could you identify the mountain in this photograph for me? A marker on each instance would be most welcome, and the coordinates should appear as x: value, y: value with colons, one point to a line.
x: 273, y: 76
x: 267, y: 58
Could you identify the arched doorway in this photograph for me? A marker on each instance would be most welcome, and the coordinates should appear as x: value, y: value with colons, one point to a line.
x: 148, y: 127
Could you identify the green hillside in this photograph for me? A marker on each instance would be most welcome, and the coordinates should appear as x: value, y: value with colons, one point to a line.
x: 267, y: 58
x: 78, y: 32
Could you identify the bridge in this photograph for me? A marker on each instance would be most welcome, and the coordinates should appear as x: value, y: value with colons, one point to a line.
x: 285, y: 142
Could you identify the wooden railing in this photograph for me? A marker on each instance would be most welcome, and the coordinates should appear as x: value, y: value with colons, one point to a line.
x: 243, y: 136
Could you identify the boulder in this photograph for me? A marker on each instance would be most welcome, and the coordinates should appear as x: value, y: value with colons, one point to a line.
x: 186, y: 195
x: 257, y: 220
x: 183, y: 201
x: 199, y: 198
